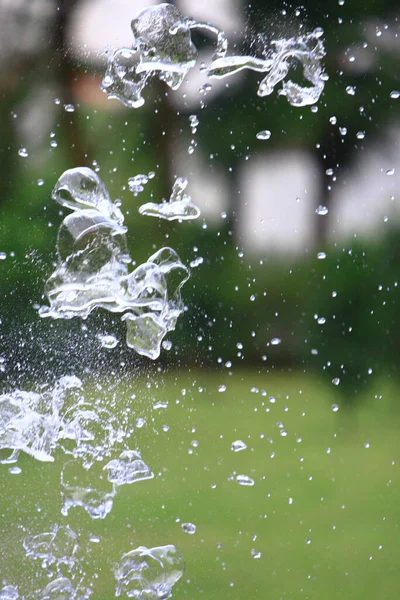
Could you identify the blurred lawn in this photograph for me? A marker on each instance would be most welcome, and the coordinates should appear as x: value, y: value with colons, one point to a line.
x: 337, y: 538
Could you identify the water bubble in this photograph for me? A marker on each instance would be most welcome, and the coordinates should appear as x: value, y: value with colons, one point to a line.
x: 367, y: 445
x: 222, y: 388
x: 321, y: 255
x: 322, y: 210
x: 3, y: 255
x: 179, y: 206
x: 40, y: 182
x: 336, y: 380
x: 390, y: 172
x: 321, y: 320
x: 265, y: 134
x: 69, y: 108
x: 360, y: 135
x: 189, y: 528
x: 255, y: 554
x: 23, y: 152
x: 149, y: 573
x: 395, y: 94
x: 238, y: 445
x: 244, y: 480
x: 275, y: 341
x: 335, y: 407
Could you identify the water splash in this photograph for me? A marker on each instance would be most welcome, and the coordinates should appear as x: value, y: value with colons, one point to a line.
x: 306, y: 49
x: 33, y: 422
x: 180, y: 205
x: 127, y: 468
x: 92, y: 264
x: 77, y: 490
x: 9, y: 592
x: 149, y: 574
x: 54, y: 547
x: 162, y: 47
x: 59, y: 589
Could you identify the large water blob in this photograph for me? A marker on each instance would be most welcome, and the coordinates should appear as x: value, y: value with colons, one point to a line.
x: 92, y: 270
x: 308, y: 50
x: 162, y: 47
x: 149, y: 573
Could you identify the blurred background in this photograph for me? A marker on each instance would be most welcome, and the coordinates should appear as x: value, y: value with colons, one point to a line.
x: 283, y: 283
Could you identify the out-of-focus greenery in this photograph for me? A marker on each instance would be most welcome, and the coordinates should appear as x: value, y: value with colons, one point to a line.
x: 323, y: 511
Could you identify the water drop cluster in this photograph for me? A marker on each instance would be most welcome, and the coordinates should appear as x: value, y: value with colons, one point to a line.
x: 163, y: 47
x: 92, y: 270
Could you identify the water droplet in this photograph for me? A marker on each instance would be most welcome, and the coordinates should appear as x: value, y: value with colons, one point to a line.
x: 108, y: 341
x: 3, y: 255
x: 336, y: 380
x: 265, y: 134
x: 390, y: 172
x: 351, y: 90
x: 189, y: 528
x: 69, y: 108
x: 322, y: 210
x: 395, y: 94
x: 276, y: 341
x: 196, y: 262
x: 321, y: 255
x: 14, y: 471
x: 23, y: 152
x: 360, y: 135
x: 238, y: 445
x: 335, y: 407
x: 244, y: 480
x: 222, y: 388
x: 367, y: 445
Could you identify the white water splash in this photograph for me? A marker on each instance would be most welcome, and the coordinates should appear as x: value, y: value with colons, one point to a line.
x: 92, y: 269
x: 149, y: 573
x: 162, y: 47
x: 180, y: 205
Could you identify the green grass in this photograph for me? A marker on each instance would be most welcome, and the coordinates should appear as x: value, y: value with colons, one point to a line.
x: 345, y: 500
